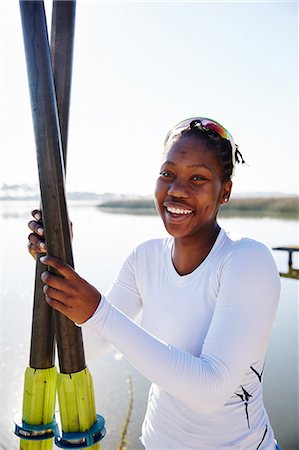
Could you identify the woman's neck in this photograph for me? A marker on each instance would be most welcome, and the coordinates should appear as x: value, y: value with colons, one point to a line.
x: 188, y: 254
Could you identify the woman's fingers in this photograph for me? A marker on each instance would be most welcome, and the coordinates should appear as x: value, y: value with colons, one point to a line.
x: 36, y: 242
x: 59, y: 306
x: 36, y: 213
x: 54, y: 294
x: 64, y: 269
x: 33, y: 250
x: 36, y: 245
x: 58, y: 291
x: 56, y: 282
x: 36, y: 227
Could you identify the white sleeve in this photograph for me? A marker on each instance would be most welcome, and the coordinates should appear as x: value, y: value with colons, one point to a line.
x: 238, y: 333
x: 124, y: 295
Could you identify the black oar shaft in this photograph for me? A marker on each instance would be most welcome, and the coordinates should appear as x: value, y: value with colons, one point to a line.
x: 42, y: 351
x: 50, y: 167
x: 62, y: 46
x: 42, y: 346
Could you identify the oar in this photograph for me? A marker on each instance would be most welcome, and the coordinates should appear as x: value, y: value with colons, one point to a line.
x: 80, y: 425
x: 40, y: 377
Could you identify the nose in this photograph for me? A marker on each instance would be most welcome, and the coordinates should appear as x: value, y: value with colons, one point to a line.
x: 178, y: 189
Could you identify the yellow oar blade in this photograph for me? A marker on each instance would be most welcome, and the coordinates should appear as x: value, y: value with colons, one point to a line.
x: 47, y: 444
x: 38, y: 408
x: 77, y: 409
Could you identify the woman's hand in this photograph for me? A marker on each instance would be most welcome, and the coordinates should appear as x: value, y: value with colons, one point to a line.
x: 36, y: 239
x: 68, y: 293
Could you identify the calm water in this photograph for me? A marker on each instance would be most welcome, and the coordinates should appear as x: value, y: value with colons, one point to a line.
x: 101, y: 242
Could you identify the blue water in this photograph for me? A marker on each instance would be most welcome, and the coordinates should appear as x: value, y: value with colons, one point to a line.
x: 101, y: 241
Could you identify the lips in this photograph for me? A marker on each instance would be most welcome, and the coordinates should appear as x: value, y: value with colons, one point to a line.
x: 173, y: 210
x: 176, y: 210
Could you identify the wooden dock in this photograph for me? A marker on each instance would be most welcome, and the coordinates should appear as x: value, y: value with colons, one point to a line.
x: 292, y: 272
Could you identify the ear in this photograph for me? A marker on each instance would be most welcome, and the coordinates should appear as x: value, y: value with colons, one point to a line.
x: 226, y: 191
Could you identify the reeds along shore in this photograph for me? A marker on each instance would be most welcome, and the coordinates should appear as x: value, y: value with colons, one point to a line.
x: 283, y: 207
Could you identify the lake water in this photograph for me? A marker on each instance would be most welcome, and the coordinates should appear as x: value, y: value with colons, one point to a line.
x: 101, y: 242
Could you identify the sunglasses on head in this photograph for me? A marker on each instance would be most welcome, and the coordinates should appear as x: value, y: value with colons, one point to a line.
x: 204, y: 124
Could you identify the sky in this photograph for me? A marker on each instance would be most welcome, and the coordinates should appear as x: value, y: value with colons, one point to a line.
x: 141, y: 67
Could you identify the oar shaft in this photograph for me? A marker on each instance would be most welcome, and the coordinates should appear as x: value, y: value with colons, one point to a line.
x: 62, y: 49
x: 42, y: 349
x: 50, y: 167
x: 42, y: 346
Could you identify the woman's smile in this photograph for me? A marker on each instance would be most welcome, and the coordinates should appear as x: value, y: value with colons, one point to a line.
x: 178, y: 211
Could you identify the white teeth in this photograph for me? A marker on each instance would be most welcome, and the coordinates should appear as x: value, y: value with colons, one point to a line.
x: 178, y: 210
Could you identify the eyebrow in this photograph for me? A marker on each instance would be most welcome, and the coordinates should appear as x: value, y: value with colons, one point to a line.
x: 200, y: 165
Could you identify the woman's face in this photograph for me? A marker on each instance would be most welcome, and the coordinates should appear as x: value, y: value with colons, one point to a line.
x: 190, y: 188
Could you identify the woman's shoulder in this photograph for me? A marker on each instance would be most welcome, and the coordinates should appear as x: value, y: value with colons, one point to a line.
x: 247, y: 250
x: 238, y: 243
x: 250, y: 263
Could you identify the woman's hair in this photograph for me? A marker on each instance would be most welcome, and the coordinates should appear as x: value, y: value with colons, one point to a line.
x: 221, y: 147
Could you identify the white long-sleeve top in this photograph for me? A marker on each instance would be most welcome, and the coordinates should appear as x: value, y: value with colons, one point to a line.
x: 201, y: 342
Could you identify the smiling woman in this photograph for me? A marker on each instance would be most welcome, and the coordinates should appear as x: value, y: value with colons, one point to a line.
x: 195, y: 179
x: 188, y: 194
x: 208, y: 302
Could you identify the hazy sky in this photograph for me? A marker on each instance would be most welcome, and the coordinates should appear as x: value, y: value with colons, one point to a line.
x: 141, y: 67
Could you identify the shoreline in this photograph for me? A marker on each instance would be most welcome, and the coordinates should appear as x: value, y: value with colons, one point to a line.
x: 282, y: 207
x: 286, y: 207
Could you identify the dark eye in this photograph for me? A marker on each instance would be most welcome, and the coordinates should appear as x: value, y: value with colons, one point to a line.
x: 198, y: 178
x: 165, y: 174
